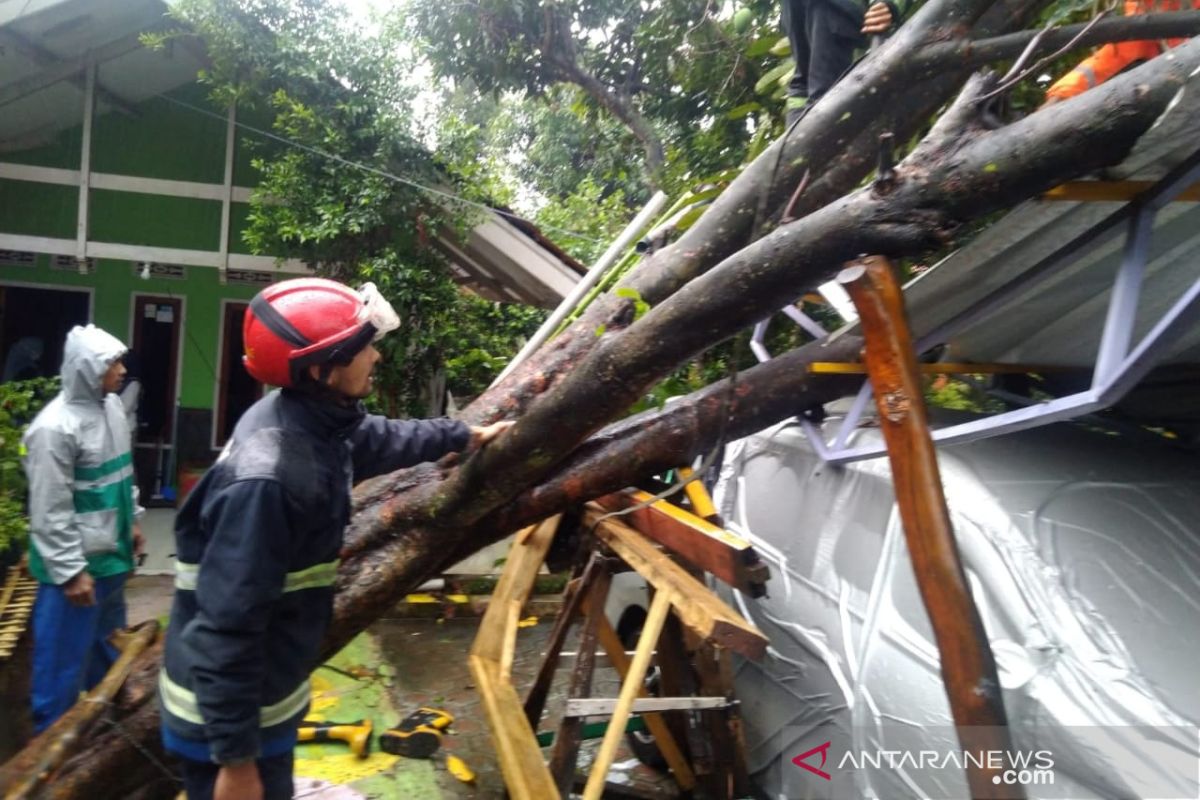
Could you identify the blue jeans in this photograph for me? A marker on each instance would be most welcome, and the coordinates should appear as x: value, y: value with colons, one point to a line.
x: 70, y: 654
x: 275, y: 773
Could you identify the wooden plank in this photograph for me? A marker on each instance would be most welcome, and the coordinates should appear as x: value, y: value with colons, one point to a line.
x: 1111, y: 191
x: 525, y: 558
x: 697, y: 608
x: 525, y: 774
x: 520, y: 757
x: 729, y: 777
x: 631, y: 687
x: 535, y: 698
x: 676, y: 678
x: 730, y: 558
x: 566, y: 745
x: 968, y: 666
x: 940, y: 368
x: 681, y: 770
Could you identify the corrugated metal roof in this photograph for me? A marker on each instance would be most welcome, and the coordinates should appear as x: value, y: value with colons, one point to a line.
x: 1058, y: 322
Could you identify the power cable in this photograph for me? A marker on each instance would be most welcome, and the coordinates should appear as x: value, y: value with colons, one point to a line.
x: 376, y: 171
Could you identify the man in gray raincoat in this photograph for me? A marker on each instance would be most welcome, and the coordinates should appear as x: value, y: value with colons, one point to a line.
x: 83, y: 535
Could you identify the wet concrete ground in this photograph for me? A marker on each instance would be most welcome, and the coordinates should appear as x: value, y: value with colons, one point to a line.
x: 400, y: 665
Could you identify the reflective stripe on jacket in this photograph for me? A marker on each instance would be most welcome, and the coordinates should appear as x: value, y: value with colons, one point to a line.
x: 82, y: 498
x: 1110, y: 59
x: 257, y: 546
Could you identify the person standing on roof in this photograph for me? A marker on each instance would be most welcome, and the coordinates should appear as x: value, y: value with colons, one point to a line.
x: 257, y: 541
x: 83, y: 534
x: 824, y: 35
x: 1116, y: 57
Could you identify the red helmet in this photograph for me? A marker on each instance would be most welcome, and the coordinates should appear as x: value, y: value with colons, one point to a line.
x: 303, y: 322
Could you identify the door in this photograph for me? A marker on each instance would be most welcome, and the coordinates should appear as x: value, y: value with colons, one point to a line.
x: 33, y: 328
x: 236, y: 391
x: 154, y: 362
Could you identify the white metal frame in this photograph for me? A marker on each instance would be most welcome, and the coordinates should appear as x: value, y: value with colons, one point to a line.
x: 1120, y: 362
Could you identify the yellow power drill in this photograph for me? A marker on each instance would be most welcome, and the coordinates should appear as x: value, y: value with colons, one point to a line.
x: 356, y: 734
x: 418, y: 735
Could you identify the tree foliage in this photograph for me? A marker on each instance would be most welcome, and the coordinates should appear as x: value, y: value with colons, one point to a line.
x: 20, y: 402
x: 669, y: 71
x: 343, y: 179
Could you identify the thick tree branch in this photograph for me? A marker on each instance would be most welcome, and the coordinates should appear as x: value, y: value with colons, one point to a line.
x: 929, y: 203
x: 977, y: 52
x: 621, y: 107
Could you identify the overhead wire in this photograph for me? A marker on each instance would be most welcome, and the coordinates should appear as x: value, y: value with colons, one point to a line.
x: 375, y: 170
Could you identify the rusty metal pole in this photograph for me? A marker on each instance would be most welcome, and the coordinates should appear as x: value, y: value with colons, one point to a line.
x: 968, y: 667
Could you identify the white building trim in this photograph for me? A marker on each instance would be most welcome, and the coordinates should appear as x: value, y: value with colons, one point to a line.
x: 85, y: 169
x: 162, y: 255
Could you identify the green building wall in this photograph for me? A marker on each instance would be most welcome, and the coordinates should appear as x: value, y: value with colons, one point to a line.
x: 166, y: 141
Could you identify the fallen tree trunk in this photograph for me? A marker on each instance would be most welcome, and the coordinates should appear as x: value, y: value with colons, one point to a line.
x: 409, y: 525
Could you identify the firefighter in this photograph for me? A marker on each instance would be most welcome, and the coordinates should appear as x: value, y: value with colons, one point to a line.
x: 257, y: 541
x: 1113, y: 58
x: 824, y: 35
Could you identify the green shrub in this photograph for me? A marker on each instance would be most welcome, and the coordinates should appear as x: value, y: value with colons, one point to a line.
x: 20, y: 401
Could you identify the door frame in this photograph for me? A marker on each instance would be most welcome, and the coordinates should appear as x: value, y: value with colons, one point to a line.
x: 180, y: 302
x: 227, y: 303
x: 90, y: 291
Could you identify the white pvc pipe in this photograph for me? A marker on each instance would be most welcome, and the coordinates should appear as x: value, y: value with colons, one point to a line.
x: 589, y: 280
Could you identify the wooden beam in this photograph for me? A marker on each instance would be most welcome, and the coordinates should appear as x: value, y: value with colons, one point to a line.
x: 535, y: 698
x: 938, y: 368
x: 525, y: 774
x: 730, y: 558
x: 611, y: 642
x: 968, y: 666
x: 570, y: 730
x: 697, y: 608
x: 520, y: 757
x: 631, y: 686
x: 1111, y: 191
x: 677, y: 678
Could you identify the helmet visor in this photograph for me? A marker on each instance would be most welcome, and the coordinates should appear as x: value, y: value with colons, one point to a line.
x: 377, y: 312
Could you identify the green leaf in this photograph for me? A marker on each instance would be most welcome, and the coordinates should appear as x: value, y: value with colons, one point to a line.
x: 744, y: 110
x: 776, y: 74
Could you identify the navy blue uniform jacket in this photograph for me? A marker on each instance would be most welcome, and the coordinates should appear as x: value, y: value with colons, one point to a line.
x: 257, y: 544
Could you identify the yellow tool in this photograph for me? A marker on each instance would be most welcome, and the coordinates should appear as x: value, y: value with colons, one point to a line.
x: 459, y: 769
x: 356, y: 734
x: 418, y: 735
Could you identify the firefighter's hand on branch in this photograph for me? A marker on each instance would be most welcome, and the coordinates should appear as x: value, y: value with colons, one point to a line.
x: 878, y: 19
x: 481, y: 435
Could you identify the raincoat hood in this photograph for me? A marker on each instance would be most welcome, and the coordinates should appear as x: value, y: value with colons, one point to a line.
x: 87, y: 355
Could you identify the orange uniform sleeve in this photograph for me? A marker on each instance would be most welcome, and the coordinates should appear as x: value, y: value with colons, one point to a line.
x: 1102, y: 65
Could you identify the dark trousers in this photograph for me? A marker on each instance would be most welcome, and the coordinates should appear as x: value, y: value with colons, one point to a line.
x: 824, y: 36
x: 71, y: 653
x: 275, y: 772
